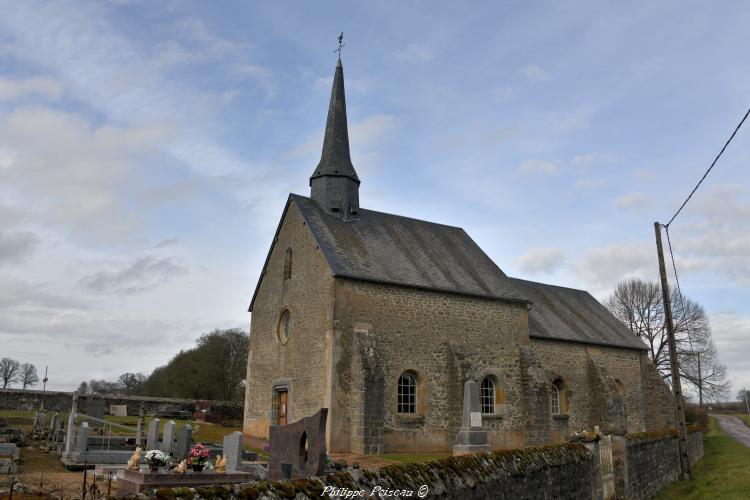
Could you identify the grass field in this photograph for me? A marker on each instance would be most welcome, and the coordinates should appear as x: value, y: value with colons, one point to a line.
x: 745, y: 418
x: 722, y: 473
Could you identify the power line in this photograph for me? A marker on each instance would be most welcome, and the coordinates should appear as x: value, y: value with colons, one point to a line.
x: 707, y: 171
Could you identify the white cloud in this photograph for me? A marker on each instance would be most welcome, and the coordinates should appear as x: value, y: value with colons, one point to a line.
x: 587, y: 161
x: 414, y: 53
x: 731, y: 335
x: 12, y: 89
x: 77, y: 173
x: 632, y: 200
x: 534, y: 73
x: 541, y: 260
x: 602, y: 268
x: 16, y: 246
x: 143, y: 274
x: 537, y: 167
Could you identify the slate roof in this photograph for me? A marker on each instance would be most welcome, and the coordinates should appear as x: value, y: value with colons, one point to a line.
x: 392, y: 249
x: 574, y: 315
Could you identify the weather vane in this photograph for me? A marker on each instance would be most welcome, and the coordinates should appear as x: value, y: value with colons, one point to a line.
x: 341, y: 44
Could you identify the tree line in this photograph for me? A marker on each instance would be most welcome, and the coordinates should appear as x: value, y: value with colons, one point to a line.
x: 640, y: 306
x: 214, y: 369
x: 13, y: 372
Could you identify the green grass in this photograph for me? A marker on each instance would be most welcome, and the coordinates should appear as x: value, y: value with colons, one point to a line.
x: 418, y: 457
x: 722, y: 473
x: 745, y: 418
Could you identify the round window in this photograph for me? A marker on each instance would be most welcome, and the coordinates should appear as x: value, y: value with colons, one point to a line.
x: 283, y: 328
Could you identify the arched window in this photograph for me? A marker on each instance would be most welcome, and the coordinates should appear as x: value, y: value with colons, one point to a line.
x: 555, y: 405
x: 303, y: 451
x: 487, y: 395
x: 288, y: 264
x: 407, y: 393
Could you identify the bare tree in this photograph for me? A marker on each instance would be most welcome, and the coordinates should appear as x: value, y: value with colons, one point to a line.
x: 9, y: 371
x: 704, y: 371
x: 131, y: 383
x: 639, y: 305
x: 28, y: 376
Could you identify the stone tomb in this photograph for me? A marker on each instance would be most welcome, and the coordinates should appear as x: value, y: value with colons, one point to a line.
x: 298, y: 449
x: 133, y: 482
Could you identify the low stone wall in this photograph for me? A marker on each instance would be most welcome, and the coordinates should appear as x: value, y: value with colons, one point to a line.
x: 15, y: 399
x: 567, y: 471
x: 652, y: 462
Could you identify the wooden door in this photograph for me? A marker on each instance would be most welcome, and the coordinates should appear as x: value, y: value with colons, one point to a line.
x: 283, y: 407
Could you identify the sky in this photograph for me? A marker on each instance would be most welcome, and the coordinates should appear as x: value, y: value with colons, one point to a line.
x: 147, y: 150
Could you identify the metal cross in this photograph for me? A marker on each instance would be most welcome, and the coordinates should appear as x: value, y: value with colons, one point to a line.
x: 341, y: 44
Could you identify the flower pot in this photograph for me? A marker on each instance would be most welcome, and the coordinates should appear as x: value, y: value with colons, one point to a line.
x: 197, y: 467
x: 153, y: 467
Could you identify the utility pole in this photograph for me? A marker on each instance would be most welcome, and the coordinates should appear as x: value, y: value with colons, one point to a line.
x: 674, y: 364
x: 700, y: 383
x: 747, y: 404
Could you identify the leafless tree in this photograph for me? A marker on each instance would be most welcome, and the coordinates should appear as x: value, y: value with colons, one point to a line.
x: 28, y: 376
x: 9, y: 371
x: 639, y: 305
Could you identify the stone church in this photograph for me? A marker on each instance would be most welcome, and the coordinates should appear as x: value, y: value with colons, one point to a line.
x: 381, y: 318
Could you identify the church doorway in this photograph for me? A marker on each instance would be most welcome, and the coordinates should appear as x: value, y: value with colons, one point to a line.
x: 281, y: 403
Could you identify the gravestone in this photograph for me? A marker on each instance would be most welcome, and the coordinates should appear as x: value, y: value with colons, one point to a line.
x: 40, y: 420
x: 471, y: 438
x: 233, y: 450
x: 152, y: 438
x: 167, y: 438
x: 95, y: 407
x: 184, y: 438
x: 82, y: 437
x: 118, y: 410
x: 301, y: 444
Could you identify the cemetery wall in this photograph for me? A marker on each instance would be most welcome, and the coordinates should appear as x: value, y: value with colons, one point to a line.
x: 652, y: 461
x: 16, y: 399
x: 562, y: 472
x: 382, y: 331
x: 301, y: 364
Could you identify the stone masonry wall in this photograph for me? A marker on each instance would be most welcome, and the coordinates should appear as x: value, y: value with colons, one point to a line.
x: 590, y: 375
x: 17, y: 399
x: 382, y: 331
x: 562, y: 472
x: 653, y: 462
x: 302, y: 364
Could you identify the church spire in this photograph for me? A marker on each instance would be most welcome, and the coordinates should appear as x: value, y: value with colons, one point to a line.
x: 334, y: 185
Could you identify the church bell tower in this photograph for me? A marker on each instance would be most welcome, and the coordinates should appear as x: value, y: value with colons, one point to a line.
x: 334, y: 185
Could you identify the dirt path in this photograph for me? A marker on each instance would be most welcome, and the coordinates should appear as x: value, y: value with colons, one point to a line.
x: 735, y: 428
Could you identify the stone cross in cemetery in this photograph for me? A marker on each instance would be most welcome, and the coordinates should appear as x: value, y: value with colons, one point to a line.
x: 152, y: 438
x: 184, y: 438
x: 233, y: 450
x: 472, y: 437
x: 167, y: 438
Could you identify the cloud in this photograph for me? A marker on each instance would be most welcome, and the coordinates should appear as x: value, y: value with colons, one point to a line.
x: 12, y: 89
x: 731, y: 335
x: 534, y: 73
x: 632, y: 200
x: 603, y: 268
x: 78, y: 173
x: 541, y: 260
x: 415, y: 54
x: 17, y: 246
x: 587, y: 161
x: 143, y: 274
x: 537, y: 167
